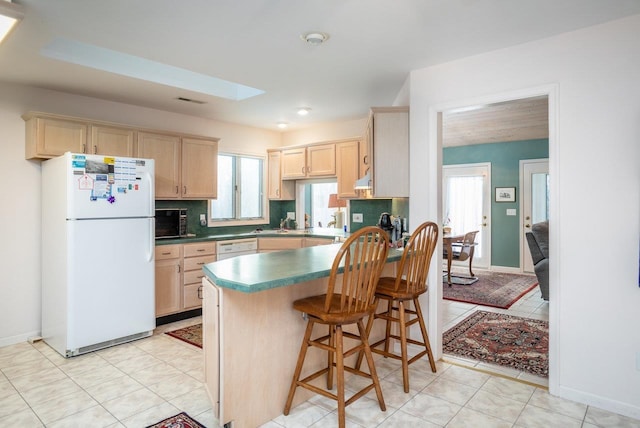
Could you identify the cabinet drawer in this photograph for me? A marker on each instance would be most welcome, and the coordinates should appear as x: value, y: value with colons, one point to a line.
x: 196, y: 263
x: 312, y: 242
x: 199, y: 249
x: 193, y: 277
x: 164, y: 252
x: 279, y: 243
x: 192, y: 296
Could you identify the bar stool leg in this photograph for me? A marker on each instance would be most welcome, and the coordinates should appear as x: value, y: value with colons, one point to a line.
x: 331, y: 357
x: 387, y: 337
x: 340, y: 372
x: 425, y: 335
x: 296, y: 375
x: 370, y: 321
x: 372, y: 367
x: 403, y: 345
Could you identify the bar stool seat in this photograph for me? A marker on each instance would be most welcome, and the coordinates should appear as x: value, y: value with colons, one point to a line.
x: 348, y: 300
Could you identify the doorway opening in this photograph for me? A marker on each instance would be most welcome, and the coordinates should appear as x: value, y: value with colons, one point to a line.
x: 485, y: 133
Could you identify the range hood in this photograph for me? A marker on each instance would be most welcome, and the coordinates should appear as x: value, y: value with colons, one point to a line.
x: 364, y: 182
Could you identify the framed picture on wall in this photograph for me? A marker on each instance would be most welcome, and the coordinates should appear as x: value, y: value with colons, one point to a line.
x: 505, y: 194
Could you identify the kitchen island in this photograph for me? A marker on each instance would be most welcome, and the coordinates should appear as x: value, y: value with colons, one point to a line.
x: 252, y: 334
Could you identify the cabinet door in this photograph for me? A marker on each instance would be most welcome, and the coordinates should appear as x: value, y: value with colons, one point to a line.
x: 277, y: 188
x: 165, y: 150
x: 294, y: 163
x: 321, y: 160
x: 274, y: 175
x: 391, y: 152
x: 199, y: 169
x: 111, y: 141
x: 168, y: 287
x: 54, y: 137
x: 347, y: 168
x: 192, y: 296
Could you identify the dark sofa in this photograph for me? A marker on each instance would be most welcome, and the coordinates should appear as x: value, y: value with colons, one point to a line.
x: 538, y: 240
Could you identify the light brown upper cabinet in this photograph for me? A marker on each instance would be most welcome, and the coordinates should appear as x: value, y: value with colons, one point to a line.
x: 165, y: 151
x: 111, y: 141
x: 347, y: 168
x: 49, y: 137
x: 310, y: 161
x: 185, y: 168
x: 278, y: 189
x: 388, y: 151
x: 199, y: 168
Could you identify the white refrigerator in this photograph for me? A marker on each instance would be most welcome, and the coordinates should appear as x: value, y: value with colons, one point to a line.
x: 97, y: 251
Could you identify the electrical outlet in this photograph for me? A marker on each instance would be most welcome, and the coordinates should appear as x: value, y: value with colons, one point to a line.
x: 357, y: 217
x: 203, y: 220
x: 291, y: 215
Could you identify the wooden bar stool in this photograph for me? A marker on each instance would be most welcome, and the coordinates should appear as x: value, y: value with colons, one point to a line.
x: 409, y: 283
x: 349, y: 299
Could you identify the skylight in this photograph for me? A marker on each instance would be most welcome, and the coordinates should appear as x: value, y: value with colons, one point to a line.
x: 140, y: 68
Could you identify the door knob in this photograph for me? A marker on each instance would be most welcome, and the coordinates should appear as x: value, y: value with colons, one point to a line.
x: 527, y: 225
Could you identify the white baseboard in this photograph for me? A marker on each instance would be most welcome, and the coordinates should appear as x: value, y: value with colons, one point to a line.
x: 604, y: 403
x: 12, y: 340
x: 507, y: 269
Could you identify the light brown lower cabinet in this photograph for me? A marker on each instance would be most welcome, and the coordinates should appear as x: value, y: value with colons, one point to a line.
x: 196, y: 255
x: 179, y: 276
x: 168, y: 279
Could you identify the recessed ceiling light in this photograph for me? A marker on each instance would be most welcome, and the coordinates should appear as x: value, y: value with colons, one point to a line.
x: 282, y: 125
x: 303, y: 111
x: 315, y: 37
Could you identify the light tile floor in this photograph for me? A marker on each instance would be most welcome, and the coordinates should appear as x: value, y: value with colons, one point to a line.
x: 140, y: 383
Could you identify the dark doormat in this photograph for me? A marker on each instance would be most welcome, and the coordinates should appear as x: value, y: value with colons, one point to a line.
x: 495, y: 289
x: 191, y: 334
x: 181, y: 420
x: 506, y: 340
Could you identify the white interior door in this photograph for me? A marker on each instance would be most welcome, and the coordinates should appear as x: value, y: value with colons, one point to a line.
x: 534, y: 177
x: 467, y: 205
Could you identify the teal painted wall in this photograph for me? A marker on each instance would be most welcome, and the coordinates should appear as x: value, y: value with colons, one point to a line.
x: 505, y: 164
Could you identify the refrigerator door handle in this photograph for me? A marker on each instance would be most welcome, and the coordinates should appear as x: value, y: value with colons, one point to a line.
x: 152, y: 248
x: 152, y: 197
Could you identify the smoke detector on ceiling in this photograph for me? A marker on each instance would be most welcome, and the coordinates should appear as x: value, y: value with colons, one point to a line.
x: 315, y: 38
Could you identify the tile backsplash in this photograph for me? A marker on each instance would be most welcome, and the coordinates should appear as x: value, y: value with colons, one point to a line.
x: 369, y: 208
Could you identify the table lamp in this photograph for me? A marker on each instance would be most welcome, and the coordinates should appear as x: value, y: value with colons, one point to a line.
x: 334, y: 202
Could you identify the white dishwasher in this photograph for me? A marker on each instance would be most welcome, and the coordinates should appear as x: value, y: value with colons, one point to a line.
x: 236, y: 247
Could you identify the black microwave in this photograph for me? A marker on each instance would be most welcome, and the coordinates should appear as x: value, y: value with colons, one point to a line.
x: 171, y: 223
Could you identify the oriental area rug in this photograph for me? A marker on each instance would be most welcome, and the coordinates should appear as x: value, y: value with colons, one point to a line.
x: 191, y: 335
x: 181, y: 420
x: 494, y: 289
x: 506, y: 340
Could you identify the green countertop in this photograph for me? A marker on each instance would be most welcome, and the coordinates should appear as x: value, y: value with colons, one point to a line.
x: 258, y: 272
x: 313, y: 232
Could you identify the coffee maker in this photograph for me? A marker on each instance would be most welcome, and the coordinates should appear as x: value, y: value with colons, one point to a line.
x: 394, y: 226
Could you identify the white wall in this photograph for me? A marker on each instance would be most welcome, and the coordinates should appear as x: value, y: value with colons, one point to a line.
x: 593, y: 78
x: 20, y: 213
x: 326, y: 132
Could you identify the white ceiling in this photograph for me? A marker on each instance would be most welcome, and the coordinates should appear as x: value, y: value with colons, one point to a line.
x: 373, y: 45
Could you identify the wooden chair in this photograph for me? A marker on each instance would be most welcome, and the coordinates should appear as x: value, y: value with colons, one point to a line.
x: 349, y: 299
x: 463, y: 250
x: 409, y: 283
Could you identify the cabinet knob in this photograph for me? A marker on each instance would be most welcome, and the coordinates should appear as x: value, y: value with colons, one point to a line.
x: 177, y: 190
x: 184, y: 190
